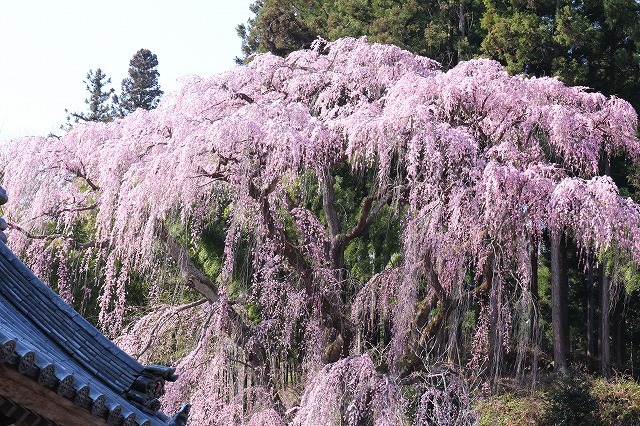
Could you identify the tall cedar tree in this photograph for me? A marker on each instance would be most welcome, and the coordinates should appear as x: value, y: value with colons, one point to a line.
x: 100, y: 108
x: 591, y: 43
x: 277, y: 28
x: 141, y: 89
x: 584, y: 42
x: 445, y: 31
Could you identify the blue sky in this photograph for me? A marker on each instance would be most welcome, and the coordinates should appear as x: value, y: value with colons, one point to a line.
x: 48, y: 46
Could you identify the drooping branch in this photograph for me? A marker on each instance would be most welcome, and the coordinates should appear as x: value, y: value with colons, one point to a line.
x: 194, y: 278
x: 294, y: 256
x: 152, y: 335
x: 80, y: 173
x: 233, y: 324
x: 51, y: 237
x: 75, y: 209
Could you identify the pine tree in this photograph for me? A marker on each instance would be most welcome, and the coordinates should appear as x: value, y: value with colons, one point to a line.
x: 141, y: 89
x: 442, y: 30
x: 99, y: 107
x: 587, y: 43
x: 278, y: 27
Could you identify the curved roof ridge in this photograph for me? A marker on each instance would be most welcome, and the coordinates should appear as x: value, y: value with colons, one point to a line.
x: 45, y: 342
x: 69, y: 330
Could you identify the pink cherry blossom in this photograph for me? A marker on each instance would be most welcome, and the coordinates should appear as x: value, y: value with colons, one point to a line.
x: 473, y: 163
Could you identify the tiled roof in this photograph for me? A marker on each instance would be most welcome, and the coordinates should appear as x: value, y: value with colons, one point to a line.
x: 45, y: 339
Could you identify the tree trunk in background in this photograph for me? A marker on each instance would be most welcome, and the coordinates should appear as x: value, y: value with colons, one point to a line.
x: 605, y: 345
x: 535, y: 296
x: 534, y: 313
x: 605, y: 301
x: 619, y: 324
x: 592, y: 338
x: 462, y: 32
x: 559, y: 304
x: 495, y: 337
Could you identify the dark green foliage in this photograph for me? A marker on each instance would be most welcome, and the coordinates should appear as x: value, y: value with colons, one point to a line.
x: 141, y: 88
x: 578, y: 400
x: 209, y: 248
x: 570, y: 402
x: 591, y: 43
x: 444, y: 30
x: 373, y: 252
x: 277, y: 28
x: 100, y: 108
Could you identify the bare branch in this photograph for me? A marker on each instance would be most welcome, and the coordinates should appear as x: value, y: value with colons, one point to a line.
x: 194, y: 278
x: 244, y: 97
x: 369, y: 213
x: 75, y: 210
x: 80, y: 173
x: 51, y: 237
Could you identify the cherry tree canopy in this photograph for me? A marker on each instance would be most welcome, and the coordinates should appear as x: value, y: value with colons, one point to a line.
x: 473, y: 165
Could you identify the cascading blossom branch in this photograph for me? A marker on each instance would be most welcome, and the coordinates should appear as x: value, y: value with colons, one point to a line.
x: 476, y: 164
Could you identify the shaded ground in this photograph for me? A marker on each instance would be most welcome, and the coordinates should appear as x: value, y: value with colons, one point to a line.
x: 578, y: 400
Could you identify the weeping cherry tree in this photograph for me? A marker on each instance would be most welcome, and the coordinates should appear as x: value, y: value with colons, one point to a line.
x: 294, y: 163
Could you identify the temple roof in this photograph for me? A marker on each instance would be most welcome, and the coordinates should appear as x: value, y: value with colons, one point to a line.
x: 44, y: 339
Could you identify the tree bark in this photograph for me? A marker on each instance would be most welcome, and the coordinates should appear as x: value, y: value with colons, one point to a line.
x: 591, y: 312
x: 534, y: 312
x: 535, y: 293
x: 559, y: 304
x: 619, y: 322
x: 495, y: 335
x: 605, y: 300
x: 462, y: 31
x: 605, y: 344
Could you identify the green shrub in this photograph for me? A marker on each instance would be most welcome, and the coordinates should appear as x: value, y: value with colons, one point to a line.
x: 618, y: 401
x: 576, y: 400
x: 569, y: 401
x: 510, y: 409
